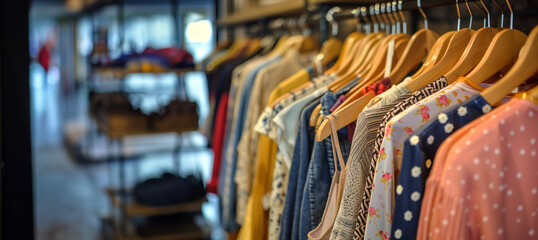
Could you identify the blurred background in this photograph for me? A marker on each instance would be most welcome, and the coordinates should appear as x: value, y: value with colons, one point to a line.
x: 107, y: 80
x: 103, y: 108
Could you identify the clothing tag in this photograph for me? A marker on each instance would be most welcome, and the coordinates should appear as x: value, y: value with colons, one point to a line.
x: 266, y: 201
x: 319, y: 67
x: 390, y: 55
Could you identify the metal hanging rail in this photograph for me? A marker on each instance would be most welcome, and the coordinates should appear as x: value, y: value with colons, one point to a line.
x: 406, y: 6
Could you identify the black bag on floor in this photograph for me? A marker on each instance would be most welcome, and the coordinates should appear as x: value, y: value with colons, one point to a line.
x: 169, y: 189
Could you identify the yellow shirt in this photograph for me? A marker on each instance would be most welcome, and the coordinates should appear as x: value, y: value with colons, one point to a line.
x: 289, y: 84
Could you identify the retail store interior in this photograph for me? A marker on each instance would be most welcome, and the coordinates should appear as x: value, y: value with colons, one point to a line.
x: 158, y: 119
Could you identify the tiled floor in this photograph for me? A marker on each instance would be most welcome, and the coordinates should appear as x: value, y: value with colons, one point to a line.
x: 69, y: 197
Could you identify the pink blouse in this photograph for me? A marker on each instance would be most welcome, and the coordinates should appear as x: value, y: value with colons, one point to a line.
x: 485, y: 179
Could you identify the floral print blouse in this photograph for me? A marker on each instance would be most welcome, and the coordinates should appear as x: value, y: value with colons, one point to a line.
x: 379, y: 221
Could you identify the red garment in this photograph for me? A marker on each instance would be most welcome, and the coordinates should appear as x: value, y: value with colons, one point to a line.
x: 172, y: 54
x: 378, y: 87
x: 43, y: 57
x: 218, y: 137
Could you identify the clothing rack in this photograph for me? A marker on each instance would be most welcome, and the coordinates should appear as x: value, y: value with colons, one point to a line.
x: 315, y: 12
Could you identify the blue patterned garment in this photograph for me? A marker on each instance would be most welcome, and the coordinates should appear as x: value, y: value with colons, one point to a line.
x: 418, y: 155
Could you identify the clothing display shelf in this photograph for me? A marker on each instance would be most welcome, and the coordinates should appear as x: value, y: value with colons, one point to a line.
x: 120, y: 198
x: 186, y: 236
x: 195, y: 232
x: 114, y: 128
x: 117, y: 126
x: 133, y: 208
x: 254, y: 14
x: 121, y: 73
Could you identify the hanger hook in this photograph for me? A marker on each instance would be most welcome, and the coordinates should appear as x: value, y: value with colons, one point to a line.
x: 459, y: 15
x: 357, y: 14
x: 404, y: 22
x: 470, y: 14
x: 364, y: 13
x: 330, y: 19
x: 502, y: 11
x: 293, y: 25
x: 391, y: 17
x: 374, y: 19
x: 419, y: 5
x: 511, y: 14
x: 382, y: 9
x: 483, y: 13
x: 487, y: 11
x: 395, y: 15
x: 303, y: 25
x: 379, y: 18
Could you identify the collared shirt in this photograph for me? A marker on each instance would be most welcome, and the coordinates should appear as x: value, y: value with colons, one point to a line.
x: 400, y: 107
x: 287, y: 122
x: 265, y: 124
x: 379, y: 219
x: 419, y: 152
x: 489, y: 179
x: 367, y: 124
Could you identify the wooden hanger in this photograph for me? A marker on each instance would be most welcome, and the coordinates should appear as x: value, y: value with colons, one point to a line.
x: 365, y: 56
x: 284, y: 44
x: 364, y: 66
x: 455, y: 48
x: 525, y: 67
x: 378, y: 63
x: 416, y: 50
x: 348, y: 57
x: 475, y: 49
x: 220, y: 47
x: 438, y: 48
x: 331, y: 48
x: 343, y: 117
x: 236, y: 46
x: 356, y: 42
x: 368, y: 73
x: 254, y: 46
x: 399, y: 48
x: 502, y: 52
x: 328, y: 52
x: 436, y: 53
x: 366, y: 52
x: 369, y: 46
x: 355, y: 94
x: 347, y: 53
x: 308, y: 44
x: 374, y: 66
x: 473, y: 53
x: 532, y: 95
